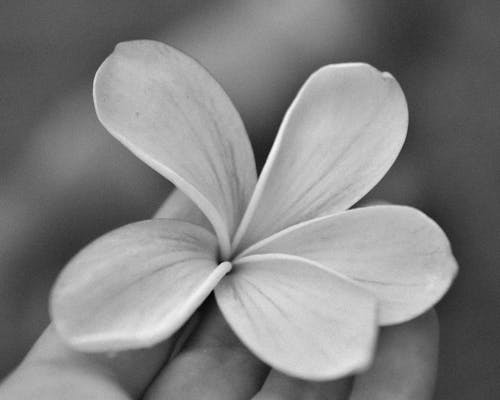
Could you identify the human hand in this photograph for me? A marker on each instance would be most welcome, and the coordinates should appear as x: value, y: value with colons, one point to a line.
x: 213, y: 364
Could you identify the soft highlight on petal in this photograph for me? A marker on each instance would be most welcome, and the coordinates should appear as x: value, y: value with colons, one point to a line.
x: 396, y: 252
x: 169, y: 111
x: 298, y: 318
x: 136, y: 285
x: 338, y: 139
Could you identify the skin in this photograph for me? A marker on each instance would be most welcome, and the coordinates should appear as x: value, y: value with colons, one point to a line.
x: 207, y: 361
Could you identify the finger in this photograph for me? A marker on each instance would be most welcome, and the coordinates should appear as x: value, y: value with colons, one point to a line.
x: 282, y: 387
x: 51, y: 370
x: 212, y: 365
x: 405, y: 364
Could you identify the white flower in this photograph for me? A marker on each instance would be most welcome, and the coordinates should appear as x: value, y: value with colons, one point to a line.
x: 303, y: 281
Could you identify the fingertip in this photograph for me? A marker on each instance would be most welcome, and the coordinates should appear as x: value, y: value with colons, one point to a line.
x: 213, y: 363
x: 405, y: 364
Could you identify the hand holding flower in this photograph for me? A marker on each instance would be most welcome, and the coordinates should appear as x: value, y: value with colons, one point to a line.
x: 303, y: 281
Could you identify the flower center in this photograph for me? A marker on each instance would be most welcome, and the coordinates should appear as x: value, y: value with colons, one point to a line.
x: 225, y: 267
x: 226, y: 262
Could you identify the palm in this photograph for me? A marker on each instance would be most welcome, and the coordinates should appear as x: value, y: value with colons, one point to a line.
x: 213, y: 364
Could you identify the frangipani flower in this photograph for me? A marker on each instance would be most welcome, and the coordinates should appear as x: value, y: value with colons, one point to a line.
x: 303, y: 281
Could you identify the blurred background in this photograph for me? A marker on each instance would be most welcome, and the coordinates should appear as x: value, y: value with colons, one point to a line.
x: 64, y: 181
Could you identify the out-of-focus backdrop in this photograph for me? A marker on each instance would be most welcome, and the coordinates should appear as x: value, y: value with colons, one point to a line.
x: 64, y: 181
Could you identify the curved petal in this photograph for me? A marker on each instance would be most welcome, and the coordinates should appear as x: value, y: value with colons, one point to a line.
x: 174, y: 116
x: 338, y: 139
x: 135, y: 286
x: 179, y: 206
x: 298, y: 318
x: 396, y: 252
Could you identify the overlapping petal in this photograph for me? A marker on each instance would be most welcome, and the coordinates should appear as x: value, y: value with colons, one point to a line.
x: 297, y: 317
x: 179, y: 206
x: 136, y: 285
x: 174, y: 116
x: 339, y: 137
x: 396, y: 252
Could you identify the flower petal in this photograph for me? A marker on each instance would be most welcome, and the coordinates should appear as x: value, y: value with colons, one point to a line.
x: 338, y: 139
x: 174, y: 116
x: 396, y: 252
x: 298, y: 318
x: 179, y: 206
x: 135, y: 286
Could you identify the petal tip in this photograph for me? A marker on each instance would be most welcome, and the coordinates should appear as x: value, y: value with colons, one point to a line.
x: 439, y: 280
x: 355, y: 66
